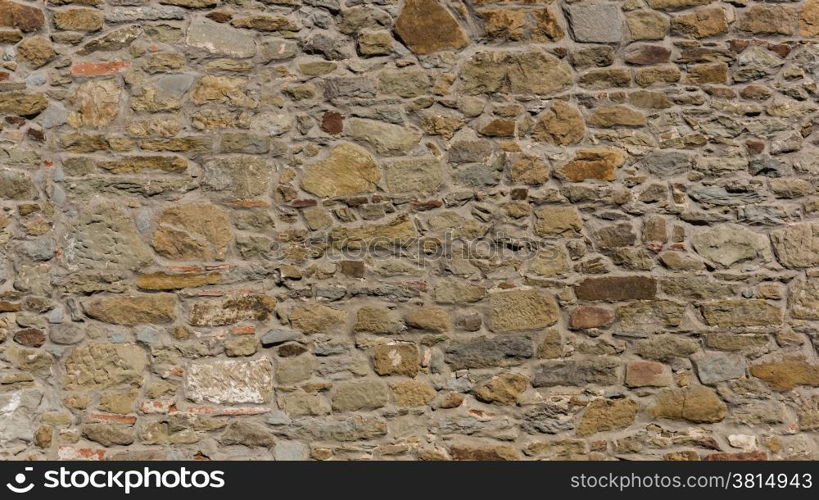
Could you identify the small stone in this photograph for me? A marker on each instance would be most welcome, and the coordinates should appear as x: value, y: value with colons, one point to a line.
x: 109, y: 434
x: 595, y: 22
x: 247, y: 433
x: 521, y: 310
x: 603, y: 415
x: 375, y: 43
x: 503, y: 389
x: 429, y: 318
x: 483, y: 453
x: 278, y: 336
x: 695, y: 403
x: 166, y: 281
x: 133, y: 310
x: 425, y: 26
x: 30, y: 337
x: 348, y: 170
x: 238, y: 176
x: 380, y: 320
x: 361, y: 394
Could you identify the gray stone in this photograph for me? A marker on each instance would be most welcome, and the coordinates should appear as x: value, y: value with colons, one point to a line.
x: 230, y: 381
x: 577, y: 372
x: 797, y: 245
x: 220, y: 39
x: 279, y: 336
x: 18, y: 415
x: 595, y: 22
x: 489, y: 352
x: 719, y: 196
x: 291, y: 451
x: 666, y: 163
x: 714, y: 367
x: 728, y: 244
x: 153, y: 13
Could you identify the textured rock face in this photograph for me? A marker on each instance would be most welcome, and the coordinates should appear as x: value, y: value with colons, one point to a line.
x: 410, y: 230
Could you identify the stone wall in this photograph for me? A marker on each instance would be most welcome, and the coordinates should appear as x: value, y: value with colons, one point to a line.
x: 409, y: 229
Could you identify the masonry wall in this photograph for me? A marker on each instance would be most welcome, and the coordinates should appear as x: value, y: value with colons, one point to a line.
x: 411, y: 229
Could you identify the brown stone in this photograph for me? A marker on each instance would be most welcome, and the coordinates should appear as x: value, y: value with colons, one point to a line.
x: 599, y: 163
x: 484, y: 452
x: 192, y: 231
x: 425, y: 26
x: 558, y: 221
x: 332, y: 122
x: 809, y: 19
x: 767, y: 19
x: 644, y: 54
x: 231, y: 310
x: 695, y: 403
x: 616, y: 116
x: 731, y: 313
x: 133, y: 310
x: 396, y: 359
x: 584, y: 317
x: 21, y: 16
x: 701, y: 23
x: 30, y: 337
x: 521, y: 310
x: 502, y: 389
x: 78, y: 19
x: 617, y: 288
x: 561, y: 124
x: 602, y: 415
x: 785, y: 374
x: 35, y: 51
x: 347, y: 170
x: 647, y: 374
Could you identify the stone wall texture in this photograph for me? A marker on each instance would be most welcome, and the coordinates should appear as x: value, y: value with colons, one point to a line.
x: 409, y: 229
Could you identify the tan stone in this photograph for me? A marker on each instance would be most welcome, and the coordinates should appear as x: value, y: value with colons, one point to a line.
x: 99, y: 366
x: 502, y: 389
x: 192, y: 231
x: 318, y: 318
x: 594, y: 163
x: 35, y: 51
x: 97, y: 103
x: 132, y: 310
x: 561, y: 124
x: 347, y: 170
x: 558, y: 221
x: 616, y: 116
x: 375, y: 319
x: 787, y: 373
x: 396, y: 359
x: 695, y: 403
x: 430, y: 318
x: 603, y: 415
x: 408, y: 393
x: 521, y: 310
x: 230, y: 310
x: 168, y: 281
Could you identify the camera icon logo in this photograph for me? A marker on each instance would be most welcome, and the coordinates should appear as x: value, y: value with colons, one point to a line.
x: 20, y: 479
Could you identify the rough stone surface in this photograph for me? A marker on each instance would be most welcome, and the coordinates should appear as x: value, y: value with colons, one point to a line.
x: 409, y: 230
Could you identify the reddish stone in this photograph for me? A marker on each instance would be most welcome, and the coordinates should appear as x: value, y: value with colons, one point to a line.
x: 742, y: 456
x: 644, y: 55
x: 647, y: 374
x: 22, y: 17
x: 426, y: 205
x: 756, y: 92
x: 755, y: 146
x: 4, y: 75
x: 98, y: 68
x: 30, y: 337
x: 303, y: 203
x: 590, y: 317
x: 617, y: 288
x: 332, y: 122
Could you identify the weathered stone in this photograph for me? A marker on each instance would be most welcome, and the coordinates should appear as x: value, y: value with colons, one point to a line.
x: 99, y: 366
x: 230, y: 381
x: 374, y: 319
x: 769, y: 19
x: 194, y: 231
x: 238, y: 176
x: 617, y: 288
x: 24, y: 17
x: 396, y: 359
x: 35, y: 51
x: 718, y: 367
x: 22, y: 103
x: 695, y: 403
x: 220, y: 39
x: 809, y: 19
x: 408, y: 393
x: 247, y: 433
x: 426, y: 26
x: 787, y: 373
x: 647, y: 374
x: 133, y: 309
x: 595, y: 22
x: 429, y: 318
x: 666, y: 347
x: 395, y: 233
x: 97, y: 104
x: 317, y: 318
x: 558, y: 221
x: 489, y: 352
x: 603, y: 415
x: 521, y: 310
x: 78, y: 19
x: 385, y: 138
x: 584, y: 317
x: 701, y: 23
x: 167, y: 281
x: 646, y: 24
x: 231, y: 310
x: 616, y: 116
x: 577, y: 372
x: 483, y: 453
x: 797, y: 245
x: 105, y: 233
x: 728, y: 244
x: 409, y: 175
x: 561, y: 124
x: 347, y: 170
x: 533, y: 72
x: 502, y: 389
x: 731, y: 313
x: 597, y: 163
x: 361, y: 394
x: 16, y: 185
